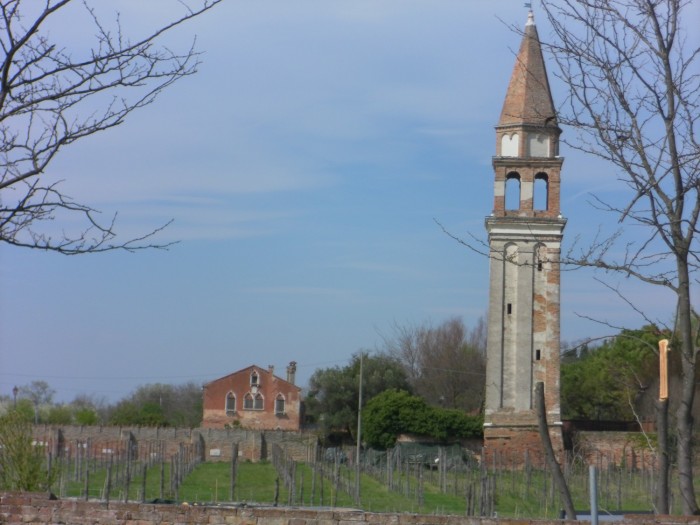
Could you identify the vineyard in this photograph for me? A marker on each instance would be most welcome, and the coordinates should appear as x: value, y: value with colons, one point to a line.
x: 433, y: 480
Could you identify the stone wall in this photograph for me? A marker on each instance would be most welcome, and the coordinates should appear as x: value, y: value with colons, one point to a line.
x: 25, y: 508
x: 217, y: 444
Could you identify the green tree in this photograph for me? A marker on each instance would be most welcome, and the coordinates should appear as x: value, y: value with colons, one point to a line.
x: 395, y: 412
x: 124, y: 413
x: 160, y: 404
x: 608, y: 382
x: 23, y: 464
x: 87, y: 409
x: 130, y: 413
x: 86, y: 416
x: 25, y: 410
x: 59, y: 415
x: 333, y: 395
x: 391, y: 413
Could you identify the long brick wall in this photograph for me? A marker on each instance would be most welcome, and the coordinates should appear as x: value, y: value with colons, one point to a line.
x: 595, y: 448
x: 216, y: 444
x: 26, y: 508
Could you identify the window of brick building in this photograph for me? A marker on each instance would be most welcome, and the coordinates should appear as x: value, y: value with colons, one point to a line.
x: 253, y: 402
x: 230, y: 404
x: 279, y: 404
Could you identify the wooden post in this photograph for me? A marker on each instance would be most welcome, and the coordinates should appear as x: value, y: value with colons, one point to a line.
x: 87, y: 484
x: 234, y: 470
x: 108, y: 480
x: 662, y: 506
x: 143, y: 482
x: 663, y: 369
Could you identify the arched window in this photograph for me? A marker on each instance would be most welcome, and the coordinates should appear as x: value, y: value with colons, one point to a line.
x: 541, y: 198
x: 254, y: 378
x: 253, y: 401
x: 248, y: 401
x: 279, y: 404
x: 509, y: 145
x: 513, y: 191
x: 230, y: 403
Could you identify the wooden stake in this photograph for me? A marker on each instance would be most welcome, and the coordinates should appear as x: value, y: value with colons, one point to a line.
x: 663, y: 369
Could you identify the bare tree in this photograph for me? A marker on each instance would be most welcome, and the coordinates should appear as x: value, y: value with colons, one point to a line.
x: 51, y: 97
x: 444, y: 364
x: 633, y: 81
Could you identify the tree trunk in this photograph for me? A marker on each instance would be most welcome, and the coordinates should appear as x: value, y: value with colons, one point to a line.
x: 557, y: 475
x: 684, y: 424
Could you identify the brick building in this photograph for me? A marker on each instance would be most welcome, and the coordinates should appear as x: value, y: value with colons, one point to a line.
x: 525, y: 230
x: 253, y: 398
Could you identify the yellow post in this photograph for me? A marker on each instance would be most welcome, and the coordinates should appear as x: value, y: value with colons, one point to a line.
x: 663, y: 369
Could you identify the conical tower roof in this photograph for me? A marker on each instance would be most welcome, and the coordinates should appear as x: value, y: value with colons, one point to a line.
x: 529, y: 99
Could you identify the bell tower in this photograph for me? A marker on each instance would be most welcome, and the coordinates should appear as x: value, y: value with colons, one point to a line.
x: 525, y: 230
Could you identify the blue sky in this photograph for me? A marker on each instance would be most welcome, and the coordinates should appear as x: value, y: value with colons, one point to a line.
x: 305, y: 167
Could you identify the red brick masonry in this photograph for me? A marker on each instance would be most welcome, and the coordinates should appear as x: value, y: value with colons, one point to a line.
x: 23, y: 508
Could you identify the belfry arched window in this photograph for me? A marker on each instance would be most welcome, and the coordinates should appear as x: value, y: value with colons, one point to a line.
x: 541, y: 197
x: 512, y: 191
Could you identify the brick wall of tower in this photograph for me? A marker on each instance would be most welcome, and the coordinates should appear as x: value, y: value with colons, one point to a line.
x: 546, y: 330
x: 519, y: 446
x: 527, y: 173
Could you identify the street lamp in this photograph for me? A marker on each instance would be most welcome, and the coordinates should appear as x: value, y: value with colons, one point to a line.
x: 15, y: 391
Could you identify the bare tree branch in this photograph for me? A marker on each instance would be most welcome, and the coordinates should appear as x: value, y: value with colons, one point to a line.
x: 634, y: 100
x: 51, y: 97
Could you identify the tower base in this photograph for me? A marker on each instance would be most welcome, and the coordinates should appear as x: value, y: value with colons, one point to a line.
x: 519, y: 446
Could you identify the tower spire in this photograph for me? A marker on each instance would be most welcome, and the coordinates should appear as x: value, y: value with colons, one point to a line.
x: 529, y: 99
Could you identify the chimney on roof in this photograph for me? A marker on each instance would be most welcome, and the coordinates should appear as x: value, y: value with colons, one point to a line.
x: 271, y: 369
x: 291, y: 372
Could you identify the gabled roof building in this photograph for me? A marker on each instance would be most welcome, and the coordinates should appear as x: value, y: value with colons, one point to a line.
x: 253, y: 398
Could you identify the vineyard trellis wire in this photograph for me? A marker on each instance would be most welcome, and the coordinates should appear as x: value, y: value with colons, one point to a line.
x: 126, y: 469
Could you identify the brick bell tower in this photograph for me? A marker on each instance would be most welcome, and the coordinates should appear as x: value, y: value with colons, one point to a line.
x: 525, y: 231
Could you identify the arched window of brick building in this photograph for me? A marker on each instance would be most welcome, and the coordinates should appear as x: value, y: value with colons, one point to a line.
x: 254, y: 378
x: 230, y: 403
x: 279, y: 404
x: 541, y: 197
x: 248, y: 401
x: 258, y: 402
x: 512, y: 191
